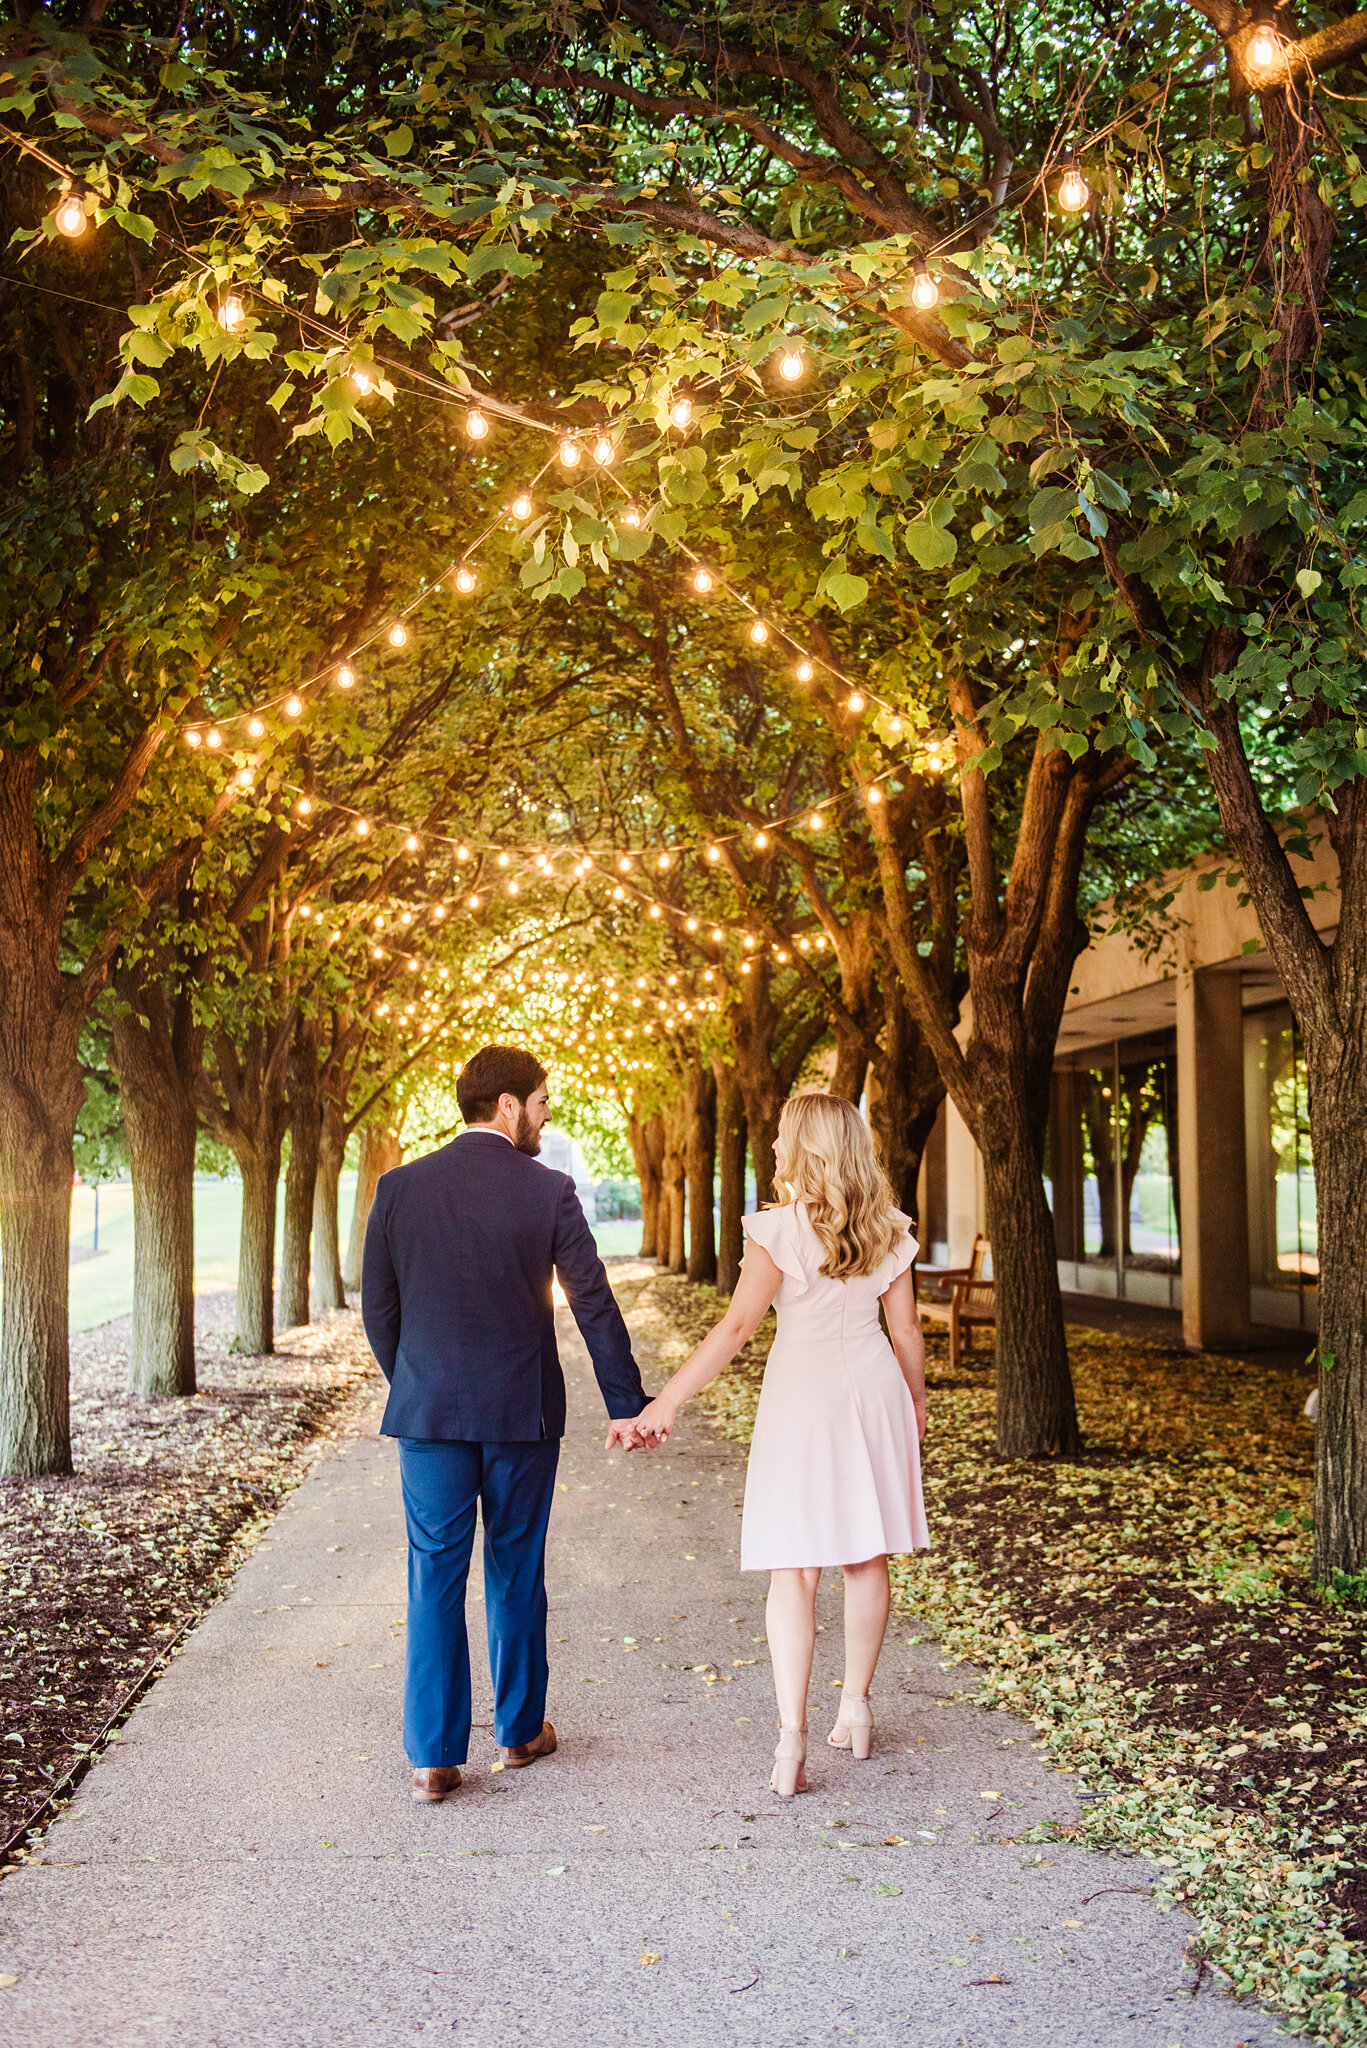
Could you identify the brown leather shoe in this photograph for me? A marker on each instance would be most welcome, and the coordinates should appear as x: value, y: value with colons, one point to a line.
x: 435, y: 1783
x: 523, y: 1753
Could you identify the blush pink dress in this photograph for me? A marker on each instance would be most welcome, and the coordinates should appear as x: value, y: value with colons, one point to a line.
x: 835, y: 1466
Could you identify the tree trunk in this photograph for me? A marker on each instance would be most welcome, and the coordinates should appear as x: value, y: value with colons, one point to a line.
x: 1036, y: 1411
x: 255, y: 1325
x: 36, y: 1172
x: 301, y: 1177
x: 328, y: 1290
x: 157, y: 1092
x: 41, y: 1092
x: 701, y: 1099
x: 381, y: 1150
x: 672, y: 1248
x: 731, y: 1147
x: 1338, y: 1132
x: 647, y: 1144
x: 904, y: 1096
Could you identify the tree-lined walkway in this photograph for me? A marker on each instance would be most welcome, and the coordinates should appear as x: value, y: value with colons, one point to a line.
x: 246, y: 1868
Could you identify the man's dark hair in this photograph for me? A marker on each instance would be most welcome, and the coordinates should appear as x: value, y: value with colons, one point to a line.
x: 493, y: 1071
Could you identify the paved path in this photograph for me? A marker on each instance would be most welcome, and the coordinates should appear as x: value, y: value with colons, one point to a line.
x: 245, y: 1870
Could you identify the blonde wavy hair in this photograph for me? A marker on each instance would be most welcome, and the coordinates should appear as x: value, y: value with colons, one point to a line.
x: 824, y: 1157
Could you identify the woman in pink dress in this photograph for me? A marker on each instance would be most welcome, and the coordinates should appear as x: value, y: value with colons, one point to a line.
x: 835, y: 1469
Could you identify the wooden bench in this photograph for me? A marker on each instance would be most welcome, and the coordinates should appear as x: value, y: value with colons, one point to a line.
x: 971, y: 1303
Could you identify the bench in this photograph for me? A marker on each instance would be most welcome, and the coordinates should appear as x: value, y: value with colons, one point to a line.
x: 971, y: 1303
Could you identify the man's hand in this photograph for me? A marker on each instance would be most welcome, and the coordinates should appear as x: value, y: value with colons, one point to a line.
x: 624, y: 1432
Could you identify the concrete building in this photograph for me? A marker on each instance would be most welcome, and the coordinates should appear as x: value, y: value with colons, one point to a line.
x: 1179, y: 1163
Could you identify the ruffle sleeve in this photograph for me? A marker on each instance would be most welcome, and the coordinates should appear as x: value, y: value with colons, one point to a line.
x: 901, y: 1255
x: 776, y: 1232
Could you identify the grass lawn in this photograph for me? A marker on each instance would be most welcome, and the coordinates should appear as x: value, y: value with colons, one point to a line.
x: 1149, y: 1608
x: 102, y: 1286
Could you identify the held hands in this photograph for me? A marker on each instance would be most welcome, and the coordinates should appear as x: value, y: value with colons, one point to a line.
x: 643, y: 1432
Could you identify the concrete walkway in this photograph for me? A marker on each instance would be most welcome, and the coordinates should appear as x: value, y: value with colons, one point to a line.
x: 246, y: 1867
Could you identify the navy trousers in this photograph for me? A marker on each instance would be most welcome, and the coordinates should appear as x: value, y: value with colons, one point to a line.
x: 513, y: 1485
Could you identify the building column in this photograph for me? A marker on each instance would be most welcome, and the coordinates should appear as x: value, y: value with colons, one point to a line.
x: 965, y: 1199
x: 1212, y: 1160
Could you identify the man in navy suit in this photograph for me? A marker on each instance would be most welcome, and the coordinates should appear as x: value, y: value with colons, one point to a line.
x: 456, y: 1295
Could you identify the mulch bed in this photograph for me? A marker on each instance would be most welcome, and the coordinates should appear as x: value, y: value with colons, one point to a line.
x: 1150, y: 1606
x: 100, y: 1573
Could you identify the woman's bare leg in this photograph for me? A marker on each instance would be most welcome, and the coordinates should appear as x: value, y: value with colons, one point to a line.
x: 867, y: 1600
x: 790, y: 1623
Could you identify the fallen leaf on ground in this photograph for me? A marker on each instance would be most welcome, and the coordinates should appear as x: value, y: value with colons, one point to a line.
x: 647, y: 1959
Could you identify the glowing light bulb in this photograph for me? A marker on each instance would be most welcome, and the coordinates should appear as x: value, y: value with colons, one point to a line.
x: 362, y: 381
x: 294, y: 707
x: 691, y: 924
x: 714, y: 853
x: 817, y: 822
x: 631, y: 517
x: 791, y: 365
x: 70, y: 218
x: 513, y: 888
x: 805, y: 671
x: 603, y: 451
x: 465, y: 579
x: 655, y: 910
x: 213, y: 737
x: 681, y: 413
x: 624, y: 865
x: 346, y: 676
x: 362, y: 827
x: 875, y: 795
x: 255, y: 728
x: 193, y: 738
x: 854, y: 702
x: 521, y: 507
x: 664, y: 863
x: 716, y: 941
x: 925, y: 293
x: 504, y: 859
x: 761, y: 841
x: 477, y: 424
x: 397, y: 636
x: 703, y: 580
x: 304, y: 807
x: 411, y: 844
x: 473, y: 902
x: 619, y: 894
x: 895, y: 727
x: 245, y: 777
x: 232, y: 312
x: 1265, y: 48
x: 569, y: 454
x: 759, y: 632
x: 462, y: 853
x: 1073, y: 190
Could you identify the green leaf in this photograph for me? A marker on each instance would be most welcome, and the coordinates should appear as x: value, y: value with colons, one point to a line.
x: 1308, y: 581
x: 933, y: 547
x: 1051, y: 506
x: 399, y: 140
x: 843, y: 588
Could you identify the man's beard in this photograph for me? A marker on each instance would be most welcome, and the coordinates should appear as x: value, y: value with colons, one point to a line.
x: 528, y: 1138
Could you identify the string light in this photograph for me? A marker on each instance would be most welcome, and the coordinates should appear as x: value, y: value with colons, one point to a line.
x: 631, y: 516
x: 703, y: 580
x: 213, y: 737
x: 245, y: 777
x: 874, y: 794
x: 362, y: 381
x: 521, y: 507
x: 304, y: 807
x: 71, y: 219
x: 681, y: 413
x: 854, y: 702
x: 412, y: 844
x: 925, y: 292
x: 761, y: 841
x: 805, y: 671
x: 817, y: 821
x: 714, y: 853
x: 603, y: 451
x: 1073, y: 189
x: 346, y: 676
x: 569, y: 453
x: 791, y: 365
x: 294, y: 707
x: 193, y: 737
x: 232, y: 312
x: 466, y: 579
x: 759, y: 632
x: 1265, y: 48
x: 477, y: 424
x: 362, y: 827
x: 397, y: 636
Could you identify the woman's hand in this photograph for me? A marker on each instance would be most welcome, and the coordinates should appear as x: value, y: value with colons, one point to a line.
x: 918, y: 1402
x: 657, y: 1419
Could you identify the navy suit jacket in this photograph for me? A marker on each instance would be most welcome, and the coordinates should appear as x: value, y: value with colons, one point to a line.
x: 456, y: 1296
